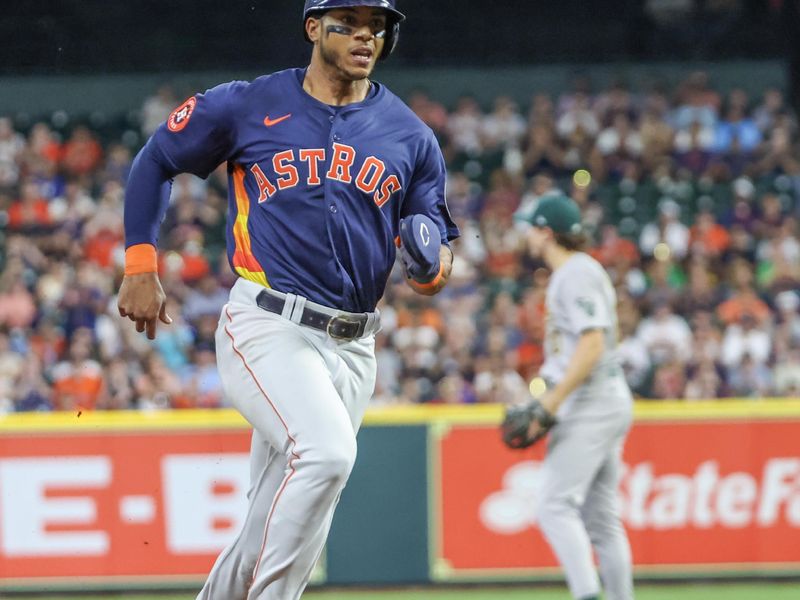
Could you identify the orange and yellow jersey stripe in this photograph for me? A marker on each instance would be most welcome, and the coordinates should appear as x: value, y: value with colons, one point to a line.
x: 243, y: 261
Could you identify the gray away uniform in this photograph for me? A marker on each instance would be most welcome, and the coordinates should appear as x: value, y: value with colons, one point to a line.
x: 578, y: 506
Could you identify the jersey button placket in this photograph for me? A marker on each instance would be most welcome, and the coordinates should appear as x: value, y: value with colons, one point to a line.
x: 335, y: 137
x: 332, y: 219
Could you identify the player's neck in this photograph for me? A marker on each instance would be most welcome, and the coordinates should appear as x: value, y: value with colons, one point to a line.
x: 555, y: 256
x: 322, y: 84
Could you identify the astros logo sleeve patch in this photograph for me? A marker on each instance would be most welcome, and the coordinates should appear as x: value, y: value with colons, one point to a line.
x: 181, y: 115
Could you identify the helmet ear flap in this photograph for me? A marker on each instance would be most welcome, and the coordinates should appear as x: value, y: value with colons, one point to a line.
x: 392, y: 35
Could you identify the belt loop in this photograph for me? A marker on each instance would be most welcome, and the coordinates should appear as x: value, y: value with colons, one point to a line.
x: 373, y: 322
x: 288, y: 306
x: 299, y: 307
x: 369, y: 324
x: 376, y: 324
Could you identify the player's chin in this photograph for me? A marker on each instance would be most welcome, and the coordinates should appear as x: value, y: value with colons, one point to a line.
x: 358, y: 68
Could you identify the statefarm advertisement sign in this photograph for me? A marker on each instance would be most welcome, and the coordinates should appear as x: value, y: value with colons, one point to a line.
x: 159, y: 505
x: 120, y: 505
x: 695, y: 496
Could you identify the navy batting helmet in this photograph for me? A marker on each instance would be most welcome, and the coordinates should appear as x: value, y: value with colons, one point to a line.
x: 312, y: 7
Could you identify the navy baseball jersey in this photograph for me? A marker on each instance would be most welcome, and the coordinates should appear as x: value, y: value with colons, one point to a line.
x: 316, y: 192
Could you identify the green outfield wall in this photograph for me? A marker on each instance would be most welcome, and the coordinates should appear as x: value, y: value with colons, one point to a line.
x: 114, y: 94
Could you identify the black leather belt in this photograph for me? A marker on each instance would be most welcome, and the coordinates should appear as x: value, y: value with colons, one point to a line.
x: 339, y: 327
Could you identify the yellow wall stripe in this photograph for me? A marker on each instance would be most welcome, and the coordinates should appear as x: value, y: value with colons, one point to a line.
x: 481, y: 414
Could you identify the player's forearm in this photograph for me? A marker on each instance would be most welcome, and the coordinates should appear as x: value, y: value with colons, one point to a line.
x: 438, y: 284
x: 587, y: 353
x: 146, y: 196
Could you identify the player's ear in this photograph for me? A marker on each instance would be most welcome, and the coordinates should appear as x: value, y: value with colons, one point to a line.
x: 313, y: 28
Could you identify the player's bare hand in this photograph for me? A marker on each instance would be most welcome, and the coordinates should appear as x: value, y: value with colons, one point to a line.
x: 143, y: 301
x: 535, y: 429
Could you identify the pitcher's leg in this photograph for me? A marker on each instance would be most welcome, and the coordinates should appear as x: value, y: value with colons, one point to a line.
x: 560, y: 522
x: 233, y: 571
x: 602, y: 519
x: 567, y: 471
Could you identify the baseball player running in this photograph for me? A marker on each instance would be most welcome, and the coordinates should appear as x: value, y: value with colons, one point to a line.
x: 584, y: 402
x: 328, y: 172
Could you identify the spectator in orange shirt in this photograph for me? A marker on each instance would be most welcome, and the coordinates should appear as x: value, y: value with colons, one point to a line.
x: 613, y: 248
x: 82, y: 152
x: 744, y: 300
x: 708, y: 237
x: 42, y: 144
x: 103, y: 232
x: 78, y: 382
x: 47, y: 342
x: 532, y: 312
x: 31, y: 212
x: 190, y: 263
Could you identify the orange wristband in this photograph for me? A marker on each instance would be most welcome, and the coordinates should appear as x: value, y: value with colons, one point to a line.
x: 432, y: 283
x: 141, y: 258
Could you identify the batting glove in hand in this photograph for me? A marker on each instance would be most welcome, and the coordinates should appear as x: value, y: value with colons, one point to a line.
x: 517, y: 424
x: 420, y: 242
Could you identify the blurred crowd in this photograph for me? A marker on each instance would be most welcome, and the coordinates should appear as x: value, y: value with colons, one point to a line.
x: 691, y: 198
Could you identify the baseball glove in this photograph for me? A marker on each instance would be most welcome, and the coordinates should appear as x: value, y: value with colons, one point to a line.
x: 517, y: 422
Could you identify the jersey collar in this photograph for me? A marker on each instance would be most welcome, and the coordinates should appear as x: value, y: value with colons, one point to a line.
x: 374, y: 95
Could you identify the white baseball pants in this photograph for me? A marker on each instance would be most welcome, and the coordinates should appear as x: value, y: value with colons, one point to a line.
x: 579, y: 507
x: 305, y: 395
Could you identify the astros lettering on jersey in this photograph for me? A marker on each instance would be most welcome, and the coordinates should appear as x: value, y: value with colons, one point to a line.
x: 371, y: 178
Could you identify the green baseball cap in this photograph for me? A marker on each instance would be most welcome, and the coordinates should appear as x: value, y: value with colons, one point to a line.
x: 558, y: 212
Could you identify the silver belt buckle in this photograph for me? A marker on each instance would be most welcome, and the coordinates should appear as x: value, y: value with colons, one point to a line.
x: 339, y: 318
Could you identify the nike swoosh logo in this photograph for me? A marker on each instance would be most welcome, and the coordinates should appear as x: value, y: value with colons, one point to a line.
x: 270, y: 122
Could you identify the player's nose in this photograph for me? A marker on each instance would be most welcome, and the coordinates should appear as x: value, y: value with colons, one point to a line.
x: 364, y: 33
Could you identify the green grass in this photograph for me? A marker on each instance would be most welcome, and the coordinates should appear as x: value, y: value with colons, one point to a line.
x: 683, y: 592
x: 753, y: 591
